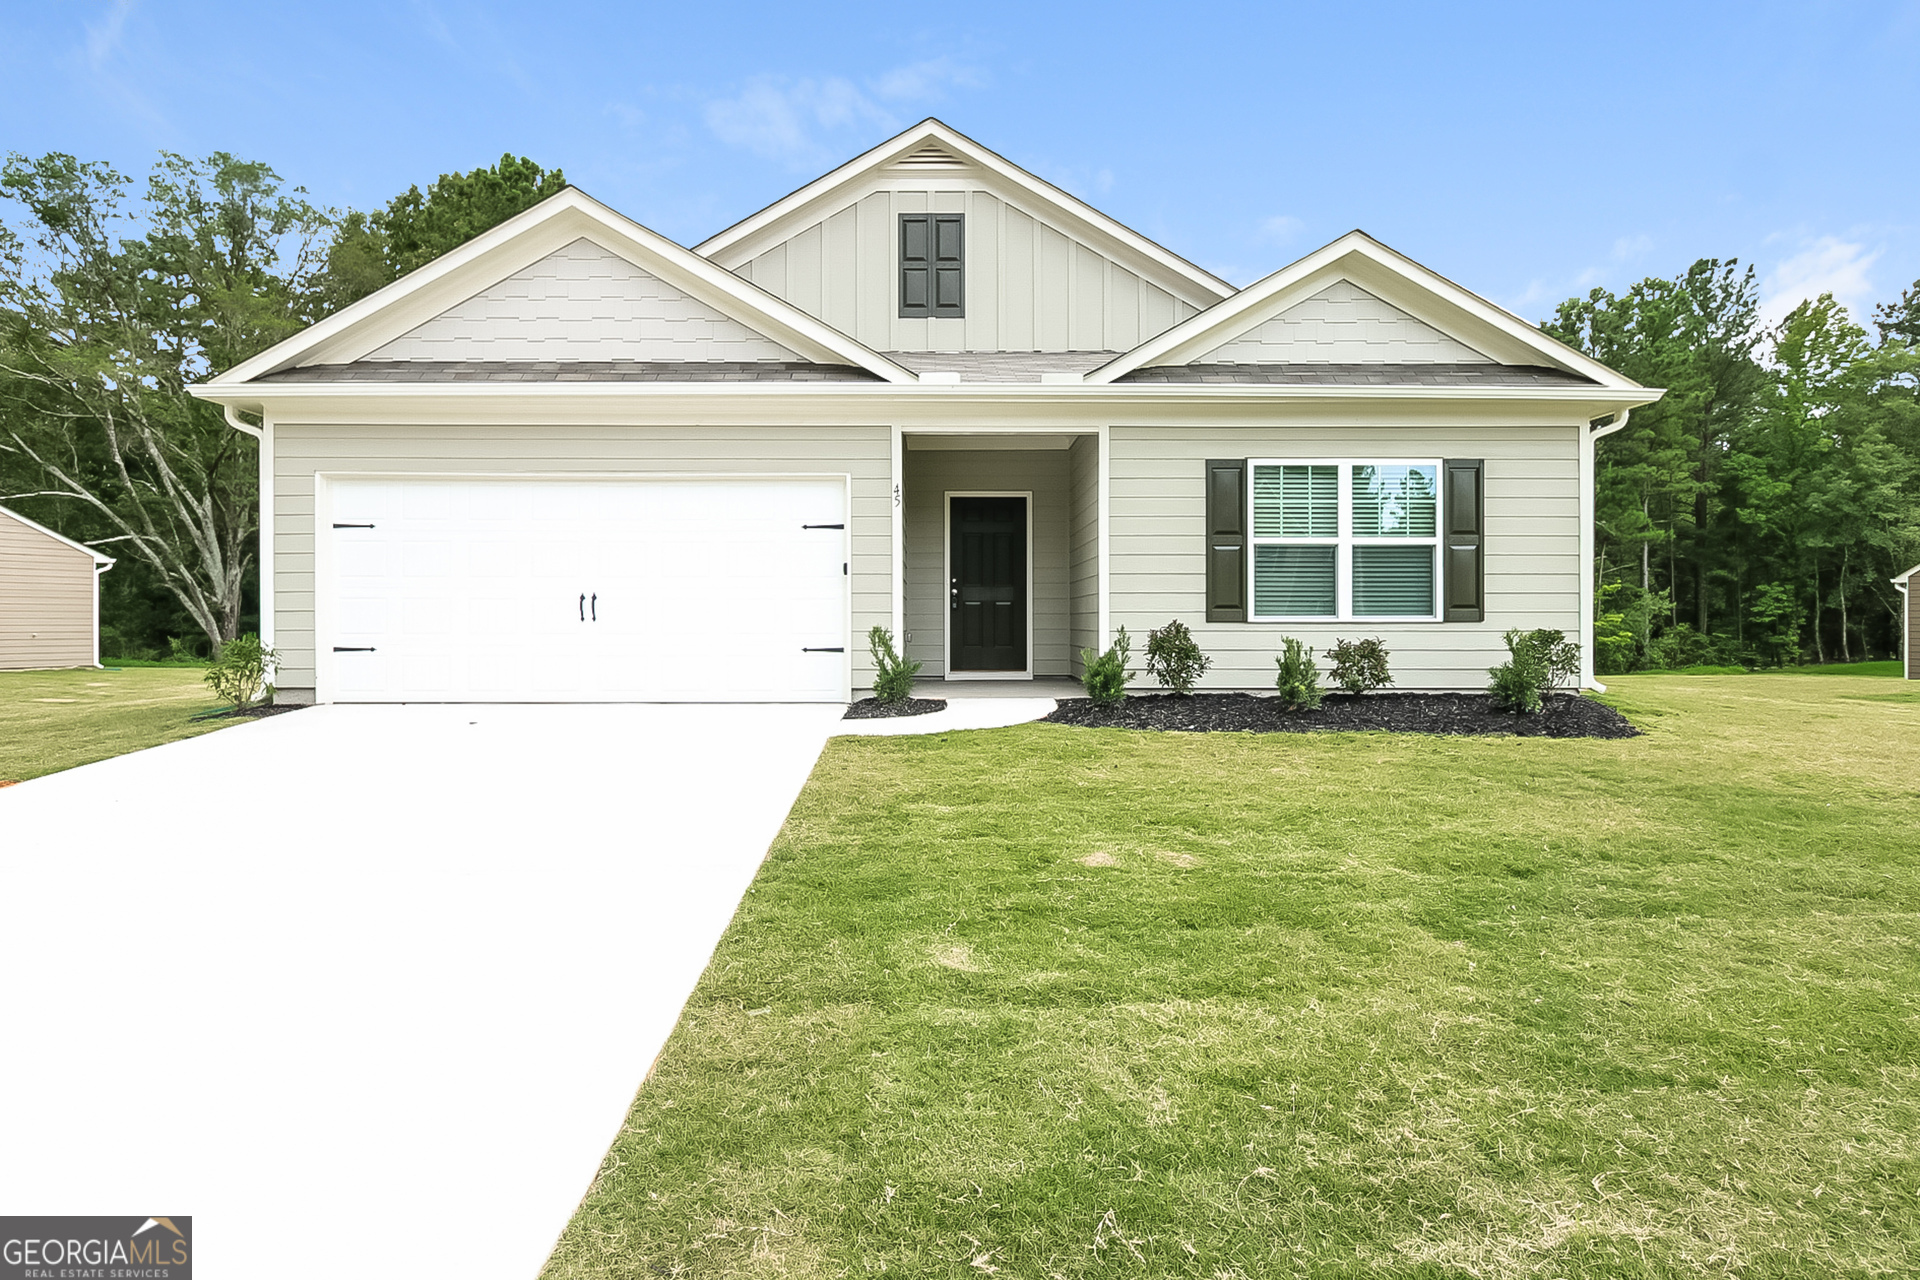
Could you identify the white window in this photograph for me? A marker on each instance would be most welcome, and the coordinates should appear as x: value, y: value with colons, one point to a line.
x: 1345, y: 540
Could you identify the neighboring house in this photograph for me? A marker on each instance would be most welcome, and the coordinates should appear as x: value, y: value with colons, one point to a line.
x: 49, y: 597
x: 929, y: 391
x: 1908, y: 584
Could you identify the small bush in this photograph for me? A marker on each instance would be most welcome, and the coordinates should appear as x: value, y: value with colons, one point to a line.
x: 1105, y: 676
x: 1538, y: 662
x: 1359, y: 666
x: 1174, y: 657
x: 243, y: 673
x: 892, y: 674
x: 1299, y: 679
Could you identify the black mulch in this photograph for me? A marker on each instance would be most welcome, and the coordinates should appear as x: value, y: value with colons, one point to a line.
x: 1565, y: 716
x: 874, y: 709
x: 248, y: 713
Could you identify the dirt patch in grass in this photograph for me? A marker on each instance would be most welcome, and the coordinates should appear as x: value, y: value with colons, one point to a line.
x: 1452, y: 714
x: 874, y: 709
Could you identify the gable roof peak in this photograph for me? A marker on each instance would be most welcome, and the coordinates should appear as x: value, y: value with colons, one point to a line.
x: 934, y: 145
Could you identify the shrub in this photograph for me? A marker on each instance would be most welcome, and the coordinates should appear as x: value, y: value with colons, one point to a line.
x: 243, y: 672
x: 1105, y: 675
x: 1299, y: 679
x: 1174, y: 657
x: 892, y: 674
x: 1359, y: 666
x: 1537, y: 662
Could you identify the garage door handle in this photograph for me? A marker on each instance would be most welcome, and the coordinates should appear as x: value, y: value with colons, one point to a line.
x: 811, y: 526
x: 583, y: 606
x: 593, y: 605
x: 834, y: 649
x: 353, y: 648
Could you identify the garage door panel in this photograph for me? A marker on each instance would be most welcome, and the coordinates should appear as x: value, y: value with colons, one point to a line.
x: 475, y: 590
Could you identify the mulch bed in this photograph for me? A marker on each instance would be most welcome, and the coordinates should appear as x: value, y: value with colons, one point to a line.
x: 248, y: 713
x: 874, y: 709
x: 1565, y: 716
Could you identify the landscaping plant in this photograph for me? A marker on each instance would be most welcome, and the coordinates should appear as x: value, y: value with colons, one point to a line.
x: 1539, y: 662
x: 1174, y: 657
x: 1359, y: 666
x: 243, y: 673
x: 892, y: 674
x: 1299, y: 679
x: 1106, y: 675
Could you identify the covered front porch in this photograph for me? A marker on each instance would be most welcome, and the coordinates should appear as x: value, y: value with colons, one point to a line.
x: 1000, y: 565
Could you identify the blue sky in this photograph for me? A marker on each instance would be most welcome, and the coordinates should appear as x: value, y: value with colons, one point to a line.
x: 1528, y: 151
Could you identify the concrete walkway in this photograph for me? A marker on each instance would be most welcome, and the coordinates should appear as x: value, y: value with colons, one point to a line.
x: 368, y: 990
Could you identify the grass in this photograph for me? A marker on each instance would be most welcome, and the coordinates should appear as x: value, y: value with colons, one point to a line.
x: 54, y: 720
x: 1051, y: 1002
x: 1892, y: 667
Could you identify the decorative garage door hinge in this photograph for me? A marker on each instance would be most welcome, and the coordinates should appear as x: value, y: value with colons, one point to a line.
x: 353, y: 648
x: 823, y: 526
x: 834, y: 649
x: 338, y: 525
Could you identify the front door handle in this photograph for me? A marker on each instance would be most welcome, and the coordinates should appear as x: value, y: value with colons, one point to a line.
x: 583, y: 606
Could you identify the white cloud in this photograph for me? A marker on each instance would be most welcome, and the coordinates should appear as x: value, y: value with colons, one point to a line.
x: 779, y: 118
x: 1825, y: 265
x: 927, y: 81
x: 1627, y: 248
x: 1281, y: 229
x: 104, y: 36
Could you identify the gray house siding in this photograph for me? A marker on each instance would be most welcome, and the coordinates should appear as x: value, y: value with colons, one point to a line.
x: 1532, y: 540
x: 46, y: 600
x: 302, y: 450
x: 931, y: 474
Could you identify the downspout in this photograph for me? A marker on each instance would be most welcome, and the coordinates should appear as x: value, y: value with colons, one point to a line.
x: 1587, y: 503
x: 265, y: 552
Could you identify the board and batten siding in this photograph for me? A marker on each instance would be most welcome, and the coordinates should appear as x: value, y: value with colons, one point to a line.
x: 931, y: 474
x: 46, y: 600
x: 582, y: 302
x: 302, y: 450
x: 1157, y: 566
x: 1030, y: 286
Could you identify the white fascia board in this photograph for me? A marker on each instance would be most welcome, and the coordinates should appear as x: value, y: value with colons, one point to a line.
x: 99, y: 561
x: 734, y: 244
x: 524, y: 239
x: 1395, y: 278
x: 1902, y: 578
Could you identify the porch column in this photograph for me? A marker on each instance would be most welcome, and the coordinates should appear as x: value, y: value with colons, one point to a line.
x: 898, y: 555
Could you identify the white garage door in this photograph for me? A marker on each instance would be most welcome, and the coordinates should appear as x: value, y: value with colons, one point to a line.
x: 586, y: 591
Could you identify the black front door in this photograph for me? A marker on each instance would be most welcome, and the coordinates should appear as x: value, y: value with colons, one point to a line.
x: 988, y: 591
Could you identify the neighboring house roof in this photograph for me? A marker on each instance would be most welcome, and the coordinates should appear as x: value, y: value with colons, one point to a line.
x: 933, y: 145
x: 99, y: 560
x: 430, y: 307
x: 572, y: 371
x: 1376, y: 291
x: 1908, y: 575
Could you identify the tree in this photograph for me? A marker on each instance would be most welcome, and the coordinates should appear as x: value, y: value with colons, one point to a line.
x: 372, y: 250
x: 106, y: 316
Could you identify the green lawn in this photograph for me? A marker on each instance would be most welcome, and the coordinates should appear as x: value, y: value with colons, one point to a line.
x: 1052, y: 1002
x: 54, y: 720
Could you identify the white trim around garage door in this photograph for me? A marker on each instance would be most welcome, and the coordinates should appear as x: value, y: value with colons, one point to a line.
x: 946, y: 565
x: 323, y: 567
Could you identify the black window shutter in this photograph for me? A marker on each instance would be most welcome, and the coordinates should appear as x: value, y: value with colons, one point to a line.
x: 1464, y: 541
x: 1227, y: 540
x: 933, y: 264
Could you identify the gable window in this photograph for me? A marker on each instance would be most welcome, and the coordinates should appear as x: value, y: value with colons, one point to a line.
x: 933, y: 264
x: 1345, y: 540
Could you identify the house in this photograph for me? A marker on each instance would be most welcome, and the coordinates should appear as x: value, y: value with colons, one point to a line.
x: 573, y: 460
x: 49, y: 597
x: 1908, y: 585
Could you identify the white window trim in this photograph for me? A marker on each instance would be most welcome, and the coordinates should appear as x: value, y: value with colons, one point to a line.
x: 1344, y: 540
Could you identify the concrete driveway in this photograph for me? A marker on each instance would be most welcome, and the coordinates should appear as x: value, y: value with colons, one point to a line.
x: 368, y: 990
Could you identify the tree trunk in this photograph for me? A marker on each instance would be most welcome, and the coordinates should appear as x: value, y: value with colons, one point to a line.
x: 1819, y: 635
x: 1846, y: 649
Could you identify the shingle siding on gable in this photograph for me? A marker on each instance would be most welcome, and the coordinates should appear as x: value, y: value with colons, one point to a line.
x: 1343, y: 324
x: 582, y: 302
x: 1030, y: 286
